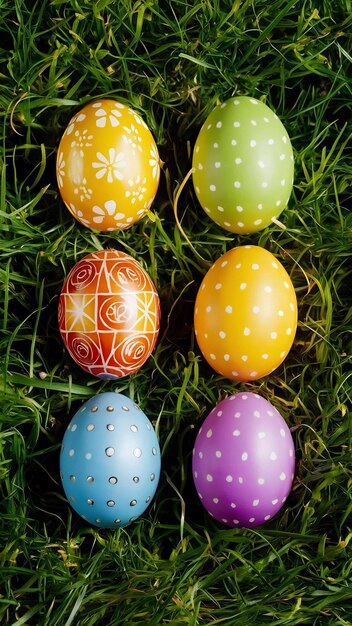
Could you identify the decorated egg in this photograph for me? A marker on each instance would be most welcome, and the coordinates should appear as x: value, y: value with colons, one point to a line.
x: 109, y: 314
x: 243, y: 461
x: 107, y: 166
x: 110, y: 461
x: 245, y: 315
x: 243, y: 165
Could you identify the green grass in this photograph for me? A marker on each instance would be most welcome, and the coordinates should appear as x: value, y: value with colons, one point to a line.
x: 173, y: 61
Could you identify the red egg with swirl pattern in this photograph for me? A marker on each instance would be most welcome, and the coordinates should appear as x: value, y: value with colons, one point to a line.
x: 109, y: 314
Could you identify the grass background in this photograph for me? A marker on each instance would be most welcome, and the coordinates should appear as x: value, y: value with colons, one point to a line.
x: 172, y: 61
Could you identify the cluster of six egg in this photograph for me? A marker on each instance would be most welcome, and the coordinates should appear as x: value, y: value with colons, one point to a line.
x: 245, y: 314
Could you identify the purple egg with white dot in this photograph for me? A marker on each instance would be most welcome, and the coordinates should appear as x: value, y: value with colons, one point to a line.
x: 110, y: 461
x: 243, y: 461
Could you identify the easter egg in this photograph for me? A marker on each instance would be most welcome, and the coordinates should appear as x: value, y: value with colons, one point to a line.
x: 109, y: 314
x: 243, y: 165
x: 243, y: 461
x: 107, y: 166
x: 245, y: 316
x: 110, y: 461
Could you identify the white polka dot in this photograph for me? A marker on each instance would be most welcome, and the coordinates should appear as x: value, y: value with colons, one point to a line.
x: 88, y: 456
x: 237, y: 267
x: 282, y: 182
x: 218, y: 286
x: 223, y: 519
x: 274, y: 501
x: 256, y: 309
x: 239, y: 208
x: 251, y: 520
x: 215, y: 500
x: 209, y: 127
x: 229, y: 478
x: 246, y: 332
x: 255, y: 266
x: 219, y: 413
x: 236, y: 433
x: 208, y: 308
x: 195, y: 474
x: 224, y: 263
x: 282, y: 476
x: 237, y: 184
x: 238, y: 161
x: 236, y: 124
x: 218, y: 454
x: 236, y: 102
x: 270, y: 413
x: 240, y: 480
x: 284, y: 139
x: 212, y: 356
x: 280, y: 313
x: 244, y: 397
x: 240, y: 224
x: 252, y: 143
x: 256, y: 413
x: 243, y: 286
x: 244, y: 357
x: 283, y: 499
x: 226, y: 357
x: 71, y: 452
x: 253, y: 101
x: 264, y: 185
x: 267, y: 517
x: 232, y: 505
x: 237, y: 414
x: 209, y: 478
x: 253, y: 122
x: 261, y: 481
x: 257, y: 222
x: 228, y: 309
x: 260, y: 206
x: 265, y: 356
x: 282, y: 354
x: 261, y: 435
x: 282, y: 157
x: 212, y: 188
x: 200, y: 166
x: 261, y: 164
x: 273, y: 335
x: 273, y: 456
x: 282, y: 432
x: 288, y: 331
x: 234, y: 142
x: 268, y: 289
x: 218, y: 124
x: 290, y: 452
x: 270, y: 142
x: 220, y: 208
x: 200, y: 454
x: 255, y: 502
x: 209, y: 433
x: 244, y: 456
x: 274, y: 265
x: 217, y: 164
x: 292, y: 306
x: 222, y: 335
x: 266, y: 120
x: 253, y: 374
x: 278, y: 202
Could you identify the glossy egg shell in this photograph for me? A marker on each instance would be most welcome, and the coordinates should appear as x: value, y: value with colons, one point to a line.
x: 107, y: 166
x: 110, y: 461
x: 243, y: 165
x: 109, y: 314
x: 245, y: 315
x: 243, y: 461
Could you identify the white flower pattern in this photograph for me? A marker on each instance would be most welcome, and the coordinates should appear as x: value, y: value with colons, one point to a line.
x: 82, y: 191
x: 137, y: 190
x: 60, y: 169
x: 103, y: 117
x: 110, y: 166
x: 154, y: 161
x: 82, y: 140
x: 109, y: 209
x: 132, y: 138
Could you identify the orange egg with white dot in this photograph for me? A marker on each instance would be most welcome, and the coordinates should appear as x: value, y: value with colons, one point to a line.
x: 107, y: 166
x: 245, y: 316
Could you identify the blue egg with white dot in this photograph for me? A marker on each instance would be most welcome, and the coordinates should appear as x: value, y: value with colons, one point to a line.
x: 110, y: 461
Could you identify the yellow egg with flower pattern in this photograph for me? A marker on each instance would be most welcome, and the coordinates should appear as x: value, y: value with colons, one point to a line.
x: 107, y: 166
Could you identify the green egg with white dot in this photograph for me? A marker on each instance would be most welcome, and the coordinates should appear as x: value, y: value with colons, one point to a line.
x: 243, y: 165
